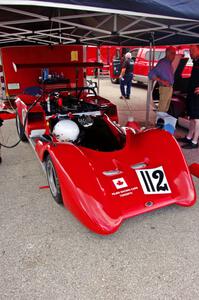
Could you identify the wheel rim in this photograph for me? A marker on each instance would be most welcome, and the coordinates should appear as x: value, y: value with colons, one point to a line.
x: 52, y: 178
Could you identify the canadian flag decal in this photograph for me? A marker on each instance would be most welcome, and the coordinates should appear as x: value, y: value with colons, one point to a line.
x: 120, y: 183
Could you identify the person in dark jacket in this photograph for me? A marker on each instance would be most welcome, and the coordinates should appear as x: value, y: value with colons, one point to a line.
x: 191, y: 140
x: 126, y: 77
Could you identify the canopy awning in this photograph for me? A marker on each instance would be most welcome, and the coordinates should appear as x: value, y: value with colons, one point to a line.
x: 127, y: 22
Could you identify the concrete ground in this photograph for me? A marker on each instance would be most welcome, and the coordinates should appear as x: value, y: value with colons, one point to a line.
x: 135, y: 107
x: 45, y: 253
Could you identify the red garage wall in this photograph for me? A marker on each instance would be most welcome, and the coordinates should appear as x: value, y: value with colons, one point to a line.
x: 26, y: 77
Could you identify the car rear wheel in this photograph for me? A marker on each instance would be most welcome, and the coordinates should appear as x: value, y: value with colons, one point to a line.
x: 115, y: 80
x: 53, y: 181
x: 20, y: 129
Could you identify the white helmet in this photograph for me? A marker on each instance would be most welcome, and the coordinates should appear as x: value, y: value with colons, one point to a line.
x: 66, y: 131
x: 128, y: 55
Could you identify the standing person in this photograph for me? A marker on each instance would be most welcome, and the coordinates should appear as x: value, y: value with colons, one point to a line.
x: 191, y: 140
x: 126, y: 77
x: 164, y: 74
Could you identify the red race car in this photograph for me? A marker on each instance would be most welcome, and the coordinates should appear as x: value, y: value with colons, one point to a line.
x: 101, y: 172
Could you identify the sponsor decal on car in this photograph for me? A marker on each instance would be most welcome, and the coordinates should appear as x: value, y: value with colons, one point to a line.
x: 120, y: 183
x: 123, y: 190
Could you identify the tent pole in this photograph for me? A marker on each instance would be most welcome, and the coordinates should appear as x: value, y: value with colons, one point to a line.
x: 149, y: 89
x: 98, y: 70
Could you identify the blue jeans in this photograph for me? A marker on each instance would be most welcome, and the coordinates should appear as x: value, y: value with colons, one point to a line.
x: 126, y: 81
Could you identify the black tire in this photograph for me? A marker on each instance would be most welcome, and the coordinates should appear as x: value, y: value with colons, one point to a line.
x: 20, y: 129
x: 53, y: 181
x: 115, y: 80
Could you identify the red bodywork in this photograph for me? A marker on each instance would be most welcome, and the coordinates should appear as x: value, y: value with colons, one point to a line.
x: 4, y: 115
x: 194, y: 169
x: 103, y: 188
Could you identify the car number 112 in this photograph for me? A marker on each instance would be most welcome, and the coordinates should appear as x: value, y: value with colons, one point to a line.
x: 153, y: 181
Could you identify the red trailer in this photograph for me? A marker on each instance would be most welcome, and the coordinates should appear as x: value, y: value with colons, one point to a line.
x: 16, y: 82
x: 57, y: 62
x: 103, y: 54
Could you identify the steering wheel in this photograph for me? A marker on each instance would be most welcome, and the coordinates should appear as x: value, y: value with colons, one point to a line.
x: 88, y: 89
x: 85, y: 120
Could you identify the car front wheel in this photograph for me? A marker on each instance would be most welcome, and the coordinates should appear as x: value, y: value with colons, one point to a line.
x: 115, y: 80
x: 20, y: 129
x: 53, y: 181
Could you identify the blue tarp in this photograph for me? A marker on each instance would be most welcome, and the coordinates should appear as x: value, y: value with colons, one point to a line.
x: 158, y: 24
x: 188, y: 9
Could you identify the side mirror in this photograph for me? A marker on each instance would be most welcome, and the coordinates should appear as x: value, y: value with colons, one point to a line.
x: 94, y: 84
x: 91, y: 84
